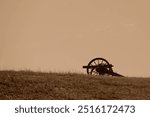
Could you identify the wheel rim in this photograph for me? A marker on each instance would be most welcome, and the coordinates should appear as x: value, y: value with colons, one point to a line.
x: 96, y: 62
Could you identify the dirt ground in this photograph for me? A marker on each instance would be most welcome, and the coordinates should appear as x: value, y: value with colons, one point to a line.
x: 30, y: 85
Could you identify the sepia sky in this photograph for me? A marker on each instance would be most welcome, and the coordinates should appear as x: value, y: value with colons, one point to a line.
x: 64, y: 35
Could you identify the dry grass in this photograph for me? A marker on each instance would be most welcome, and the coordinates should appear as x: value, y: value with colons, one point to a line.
x: 37, y: 85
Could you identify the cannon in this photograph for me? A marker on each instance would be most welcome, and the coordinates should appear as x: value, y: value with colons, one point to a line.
x: 100, y: 66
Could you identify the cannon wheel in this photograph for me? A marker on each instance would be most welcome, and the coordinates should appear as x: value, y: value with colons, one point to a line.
x: 97, y: 62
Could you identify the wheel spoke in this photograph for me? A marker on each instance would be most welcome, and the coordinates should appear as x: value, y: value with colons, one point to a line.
x: 91, y: 64
x: 98, y: 61
x: 94, y: 72
x: 95, y: 62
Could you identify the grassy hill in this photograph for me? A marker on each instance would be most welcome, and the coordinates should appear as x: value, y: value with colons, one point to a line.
x: 37, y: 85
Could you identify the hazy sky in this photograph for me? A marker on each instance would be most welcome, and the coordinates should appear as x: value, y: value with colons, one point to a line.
x: 64, y: 35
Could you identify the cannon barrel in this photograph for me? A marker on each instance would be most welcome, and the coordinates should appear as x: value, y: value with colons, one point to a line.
x: 94, y: 66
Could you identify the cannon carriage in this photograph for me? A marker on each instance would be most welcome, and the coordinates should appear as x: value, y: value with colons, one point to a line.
x: 100, y: 66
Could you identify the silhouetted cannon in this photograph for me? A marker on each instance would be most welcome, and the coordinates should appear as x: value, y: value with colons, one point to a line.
x: 100, y: 66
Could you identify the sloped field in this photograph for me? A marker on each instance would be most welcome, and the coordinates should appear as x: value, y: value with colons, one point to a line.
x: 37, y: 85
